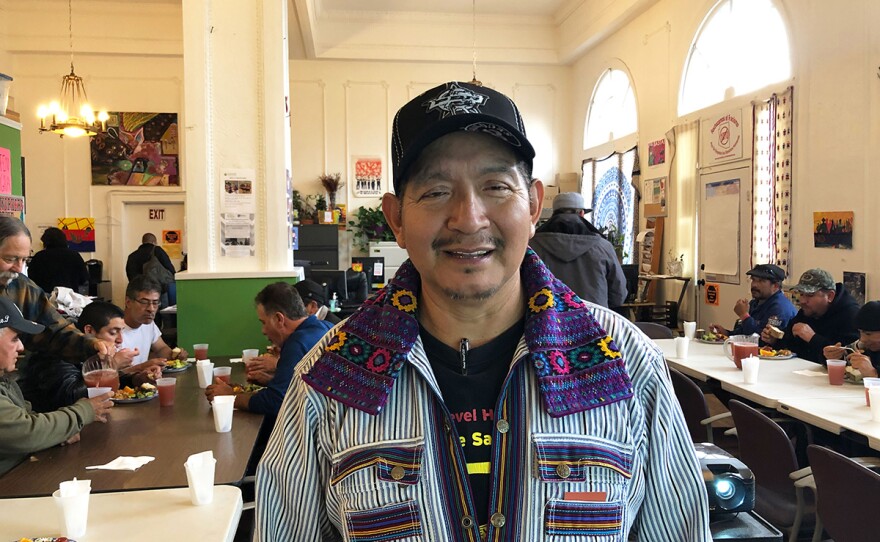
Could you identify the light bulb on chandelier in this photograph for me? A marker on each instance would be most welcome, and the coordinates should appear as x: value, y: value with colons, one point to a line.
x: 72, y: 115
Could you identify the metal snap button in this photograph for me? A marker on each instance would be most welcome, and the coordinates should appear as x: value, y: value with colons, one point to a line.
x: 397, y: 473
x: 503, y: 426
x: 467, y: 522
x: 498, y: 520
x: 563, y: 470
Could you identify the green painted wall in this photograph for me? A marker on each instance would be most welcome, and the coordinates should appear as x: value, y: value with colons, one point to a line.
x: 10, y: 138
x: 221, y: 312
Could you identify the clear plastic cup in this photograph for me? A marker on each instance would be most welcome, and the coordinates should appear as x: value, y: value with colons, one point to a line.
x: 200, y: 351
x: 167, y: 388
x: 249, y: 354
x: 223, y: 373
x: 97, y: 392
x: 869, y: 382
x: 836, y: 370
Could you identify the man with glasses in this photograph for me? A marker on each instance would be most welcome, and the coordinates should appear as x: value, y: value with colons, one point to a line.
x: 141, y: 332
x: 60, y: 339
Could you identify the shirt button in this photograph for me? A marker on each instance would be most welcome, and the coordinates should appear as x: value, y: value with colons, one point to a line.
x: 563, y: 470
x: 397, y: 473
x: 503, y: 426
x: 467, y: 522
x: 498, y: 520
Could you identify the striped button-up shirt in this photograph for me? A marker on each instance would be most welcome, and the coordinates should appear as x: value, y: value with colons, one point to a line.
x: 622, y: 470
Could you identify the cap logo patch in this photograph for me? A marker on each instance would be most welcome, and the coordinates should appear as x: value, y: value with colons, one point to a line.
x: 494, y: 130
x: 4, y: 319
x: 456, y: 100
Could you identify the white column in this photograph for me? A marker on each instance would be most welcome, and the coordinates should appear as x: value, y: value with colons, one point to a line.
x: 235, y: 118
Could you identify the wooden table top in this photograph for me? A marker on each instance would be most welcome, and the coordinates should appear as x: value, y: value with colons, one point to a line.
x: 170, y: 434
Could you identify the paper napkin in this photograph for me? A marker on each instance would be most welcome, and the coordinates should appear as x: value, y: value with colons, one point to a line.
x: 125, y: 463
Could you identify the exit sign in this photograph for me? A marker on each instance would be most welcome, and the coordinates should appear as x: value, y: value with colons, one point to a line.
x: 157, y: 214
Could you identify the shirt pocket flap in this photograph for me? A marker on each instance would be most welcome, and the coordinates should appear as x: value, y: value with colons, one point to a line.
x: 397, y: 461
x: 566, y: 458
x: 598, y: 520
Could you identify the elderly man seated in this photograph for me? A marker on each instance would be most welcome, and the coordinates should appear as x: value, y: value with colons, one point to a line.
x: 23, y: 431
x: 769, y: 305
x: 826, y: 317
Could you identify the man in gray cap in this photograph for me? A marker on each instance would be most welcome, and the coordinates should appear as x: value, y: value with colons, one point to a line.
x: 578, y: 255
x: 827, y: 316
x: 768, y: 305
x: 467, y: 394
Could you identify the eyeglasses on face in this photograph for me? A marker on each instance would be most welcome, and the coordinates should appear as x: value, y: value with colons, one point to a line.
x: 147, y: 302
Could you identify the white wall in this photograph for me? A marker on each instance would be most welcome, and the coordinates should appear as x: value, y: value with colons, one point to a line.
x: 836, y: 96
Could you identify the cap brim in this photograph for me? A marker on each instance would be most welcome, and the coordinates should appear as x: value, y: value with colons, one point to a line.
x: 805, y: 289
x: 28, y: 327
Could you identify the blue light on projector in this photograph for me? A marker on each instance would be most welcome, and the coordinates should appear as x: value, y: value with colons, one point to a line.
x: 724, y: 489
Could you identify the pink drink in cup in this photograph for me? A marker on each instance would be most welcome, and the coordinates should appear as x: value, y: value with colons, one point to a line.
x: 167, y: 388
x: 223, y: 373
x: 201, y: 351
x: 836, y: 371
x: 102, y: 378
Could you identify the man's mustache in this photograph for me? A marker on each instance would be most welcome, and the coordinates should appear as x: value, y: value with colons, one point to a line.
x: 486, y: 241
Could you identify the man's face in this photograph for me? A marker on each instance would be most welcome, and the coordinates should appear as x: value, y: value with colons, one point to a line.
x: 816, y: 304
x: 272, y: 325
x: 763, y: 288
x: 10, y: 346
x: 143, y: 308
x: 870, y: 340
x: 13, y: 253
x: 112, y: 332
x: 466, y: 217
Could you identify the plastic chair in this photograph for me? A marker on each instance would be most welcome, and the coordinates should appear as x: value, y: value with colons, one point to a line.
x: 654, y: 330
x: 694, y: 407
x: 779, y: 481
x: 848, y: 495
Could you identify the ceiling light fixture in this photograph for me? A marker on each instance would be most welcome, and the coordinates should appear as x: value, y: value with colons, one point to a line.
x: 72, y: 115
x: 474, y: 81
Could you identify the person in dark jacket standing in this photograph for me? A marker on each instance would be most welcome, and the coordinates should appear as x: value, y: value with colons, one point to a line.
x: 135, y: 266
x: 827, y: 316
x: 578, y: 255
x: 57, y: 265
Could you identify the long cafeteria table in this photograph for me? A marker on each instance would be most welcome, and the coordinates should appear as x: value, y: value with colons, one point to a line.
x: 810, y: 399
x: 170, y: 434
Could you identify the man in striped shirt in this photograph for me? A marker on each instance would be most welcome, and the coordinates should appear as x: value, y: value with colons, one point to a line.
x: 476, y: 397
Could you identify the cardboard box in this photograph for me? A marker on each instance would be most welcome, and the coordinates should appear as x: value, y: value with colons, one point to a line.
x: 568, y: 182
x: 550, y: 192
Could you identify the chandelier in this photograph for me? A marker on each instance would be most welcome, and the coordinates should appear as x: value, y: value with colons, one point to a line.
x: 71, y: 115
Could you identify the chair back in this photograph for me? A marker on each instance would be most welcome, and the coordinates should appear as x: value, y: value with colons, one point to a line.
x: 848, y: 495
x: 654, y: 330
x: 693, y: 405
x: 766, y: 449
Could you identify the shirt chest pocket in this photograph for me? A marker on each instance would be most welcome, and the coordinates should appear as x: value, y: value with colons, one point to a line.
x: 375, y: 482
x: 586, y: 483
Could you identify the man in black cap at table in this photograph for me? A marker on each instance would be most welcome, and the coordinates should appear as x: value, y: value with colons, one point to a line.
x: 314, y: 297
x: 769, y: 305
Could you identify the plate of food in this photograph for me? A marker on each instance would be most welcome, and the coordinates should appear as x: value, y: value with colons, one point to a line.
x: 144, y: 392
x: 175, y: 366
x: 853, y: 375
x: 247, y: 388
x: 769, y: 353
x: 708, y: 337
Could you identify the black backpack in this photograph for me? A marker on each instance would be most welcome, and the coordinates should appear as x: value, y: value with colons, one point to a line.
x: 156, y: 271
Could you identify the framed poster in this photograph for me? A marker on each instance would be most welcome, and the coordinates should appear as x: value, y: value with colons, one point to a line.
x: 367, y: 177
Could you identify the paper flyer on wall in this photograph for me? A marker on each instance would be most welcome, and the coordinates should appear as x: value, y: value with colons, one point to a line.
x: 237, y: 235
x: 237, y: 195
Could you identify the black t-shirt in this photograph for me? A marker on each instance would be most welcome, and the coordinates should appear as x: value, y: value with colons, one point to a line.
x: 471, y: 398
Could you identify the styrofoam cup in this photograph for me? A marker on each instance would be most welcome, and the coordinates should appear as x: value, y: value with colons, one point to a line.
x: 222, y: 407
x: 750, y: 366
x: 205, y: 371
x: 681, y: 347
x: 690, y: 328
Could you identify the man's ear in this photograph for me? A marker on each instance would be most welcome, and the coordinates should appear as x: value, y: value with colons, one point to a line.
x: 88, y: 329
x: 536, y: 200
x: 392, y: 208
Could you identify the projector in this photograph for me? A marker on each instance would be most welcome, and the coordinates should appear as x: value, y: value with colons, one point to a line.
x: 730, y: 485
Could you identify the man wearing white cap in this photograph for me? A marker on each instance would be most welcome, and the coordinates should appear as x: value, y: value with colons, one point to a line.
x: 578, y: 255
x: 23, y: 431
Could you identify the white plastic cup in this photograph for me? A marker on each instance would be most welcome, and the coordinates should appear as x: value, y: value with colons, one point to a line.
x: 751, y: 365
x: 869, y: 382
x: 97, y: 392
x: 690, y: 329
x: 681, y: 347
x: 874, y: 394
x: 205, y: 371
x: 75, y: 512
x: 200, y: 479
x: 250, y: 353
x: 223, y: 405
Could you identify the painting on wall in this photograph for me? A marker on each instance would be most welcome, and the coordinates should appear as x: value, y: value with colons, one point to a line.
x: 80, y: 233
x: 857, y: 285
x: 138, y: 149
x: 657, y: 152
x: 367, y: 177
x: 833, y: 229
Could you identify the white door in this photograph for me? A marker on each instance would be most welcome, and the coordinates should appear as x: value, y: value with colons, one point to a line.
x: 724, y: 239
x: 162, y: 216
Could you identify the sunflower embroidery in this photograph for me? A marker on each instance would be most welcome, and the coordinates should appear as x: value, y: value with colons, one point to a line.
x: 542, y: 300
x: 337, y: 341
x: 605, y: 344
x: 404, y: 300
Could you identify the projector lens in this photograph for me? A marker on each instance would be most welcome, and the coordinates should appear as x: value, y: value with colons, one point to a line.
x: 724, y: 489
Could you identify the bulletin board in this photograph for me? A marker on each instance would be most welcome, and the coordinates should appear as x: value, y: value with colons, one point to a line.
x: 720, y: 229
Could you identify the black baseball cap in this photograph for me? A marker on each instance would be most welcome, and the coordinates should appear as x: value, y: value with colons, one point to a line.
x: 453, y: 107
x: 11, y: 317
x: 311, y: 290
x: 767, y: 271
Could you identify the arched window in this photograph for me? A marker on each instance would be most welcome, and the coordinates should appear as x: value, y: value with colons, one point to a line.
x: 726, y: 60
x: 612, y: 112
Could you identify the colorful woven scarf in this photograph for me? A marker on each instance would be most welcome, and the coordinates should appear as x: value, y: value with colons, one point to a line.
x: 578, y: 365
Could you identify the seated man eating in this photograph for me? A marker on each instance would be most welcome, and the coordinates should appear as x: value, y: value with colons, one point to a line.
x: 863, y: 354
x: 141, y: 333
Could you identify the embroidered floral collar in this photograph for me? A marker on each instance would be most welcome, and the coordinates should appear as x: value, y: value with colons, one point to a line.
x: 578, y: 365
